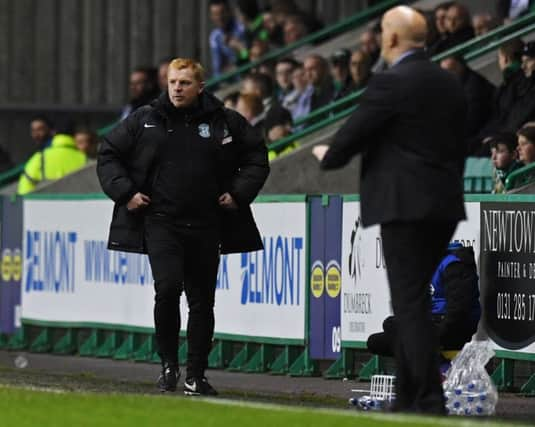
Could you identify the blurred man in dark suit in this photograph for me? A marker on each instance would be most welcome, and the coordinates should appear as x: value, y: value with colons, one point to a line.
x: 409, y: 127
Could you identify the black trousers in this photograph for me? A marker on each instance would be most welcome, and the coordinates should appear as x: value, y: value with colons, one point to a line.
x: 183, y: 258
x: 384, y: 343
x: 412, y: 252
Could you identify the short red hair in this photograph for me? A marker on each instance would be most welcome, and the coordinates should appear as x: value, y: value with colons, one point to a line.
x: 182, y: 63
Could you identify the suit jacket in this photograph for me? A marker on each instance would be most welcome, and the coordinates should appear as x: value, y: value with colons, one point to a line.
x: 409, y: 127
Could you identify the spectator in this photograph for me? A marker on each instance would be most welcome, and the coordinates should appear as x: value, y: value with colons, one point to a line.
x: 231, y: 100
x: 369, y: 44
x: 360, y: 67
x: 87, y: 142
x: 510, y: 57
x: 479, y: 93
x: 432, y: 32
x: 454, y: 304
x: 523, y: 108
x: 252, y: 20
x: 298, y: 101
x: 41, y: 131
x: 143, y: 89
x: 528, y: 59
x: 526, y: 144
x: 226, y: 39
x: 507, y: 95
x: 294, y: 29
x: 283, y: 76
x: 276, y: 133
x: 250, y: 106
x: 274, y: 29
x: 440, y: 18
x: 343, y: 83
x: 54, y: 162
x: 459, y: 28
x: 507, y: 10
x: 510, y: 64
x: 440, y: 13
x: 318, y: 76
x: 163, y: 66
x: 483, y: 23
x: 504, y: 156
x: 267, y: 68
x: 258, y: 49
x: 263, y: 86
x: 282, y: 9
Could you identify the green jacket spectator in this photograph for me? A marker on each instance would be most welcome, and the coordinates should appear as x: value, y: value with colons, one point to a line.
x: 54, y: 162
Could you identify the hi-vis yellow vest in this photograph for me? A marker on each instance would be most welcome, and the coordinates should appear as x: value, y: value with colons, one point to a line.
x: 54, y: 162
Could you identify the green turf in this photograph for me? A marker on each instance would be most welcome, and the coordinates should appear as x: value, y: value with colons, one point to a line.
x: 23, y: 407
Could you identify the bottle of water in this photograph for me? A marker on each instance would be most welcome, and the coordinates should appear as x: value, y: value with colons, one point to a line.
x: 469, y: 409
x: 457, y: 407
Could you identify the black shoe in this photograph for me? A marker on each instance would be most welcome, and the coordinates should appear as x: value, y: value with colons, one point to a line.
x: 198, y: 386
x: 168, y: 378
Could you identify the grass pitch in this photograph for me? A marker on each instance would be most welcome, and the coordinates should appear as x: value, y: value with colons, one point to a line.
x: 21, y: 407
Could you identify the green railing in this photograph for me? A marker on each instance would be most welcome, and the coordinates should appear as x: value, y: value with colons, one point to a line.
x: 497, y: 35
x: 471, y: 49
x: 342, y: 26
x: 290, y: 139
x: 521, y: 177
x: 11, y: 174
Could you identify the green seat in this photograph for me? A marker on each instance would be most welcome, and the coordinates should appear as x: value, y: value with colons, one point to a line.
x: 478, y: 175
x: 521, y: 177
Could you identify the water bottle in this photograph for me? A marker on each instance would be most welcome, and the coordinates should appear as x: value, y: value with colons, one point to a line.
x: 468, y: 410
x: 457, y: 407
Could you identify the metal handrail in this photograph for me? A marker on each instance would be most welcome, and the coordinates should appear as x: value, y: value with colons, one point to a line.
x: 284, y: 142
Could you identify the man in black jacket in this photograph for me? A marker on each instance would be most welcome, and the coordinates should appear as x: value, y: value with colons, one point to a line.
x: 478, y: 90
x: 182, y: 173
x: 409, y: 127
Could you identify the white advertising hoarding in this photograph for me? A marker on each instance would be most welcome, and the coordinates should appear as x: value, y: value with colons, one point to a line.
x: 70, y: 276
x: 365, y: 299
x: 262, y: 294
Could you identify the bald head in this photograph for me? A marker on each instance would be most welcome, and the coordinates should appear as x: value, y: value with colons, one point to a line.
x: 403, y: 29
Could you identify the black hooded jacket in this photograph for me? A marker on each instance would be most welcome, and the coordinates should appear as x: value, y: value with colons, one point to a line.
x: 184, y: 159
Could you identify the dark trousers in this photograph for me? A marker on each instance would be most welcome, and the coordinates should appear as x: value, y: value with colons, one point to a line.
x: 183, y: 258
x: 412, y: 252
x: 384, y: 343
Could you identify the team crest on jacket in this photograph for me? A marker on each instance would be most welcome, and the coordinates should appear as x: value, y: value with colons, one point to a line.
x: 204, y: 130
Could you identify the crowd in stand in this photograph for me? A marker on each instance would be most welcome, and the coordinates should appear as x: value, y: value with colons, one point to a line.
x: 302, y: 87
x: 277, y: 96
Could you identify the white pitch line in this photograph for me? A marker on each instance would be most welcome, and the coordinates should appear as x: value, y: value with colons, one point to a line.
x: 35, y: 388
x: 397, y: 418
